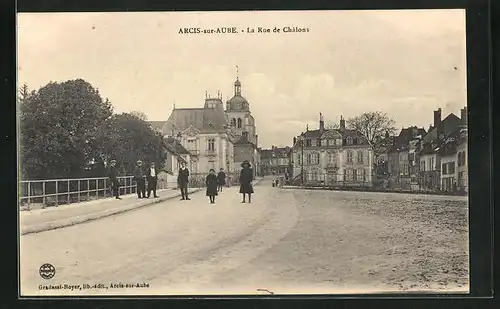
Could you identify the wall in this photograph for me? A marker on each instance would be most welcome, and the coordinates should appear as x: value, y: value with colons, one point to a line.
x: 448, y: 179
x: 462, y: 173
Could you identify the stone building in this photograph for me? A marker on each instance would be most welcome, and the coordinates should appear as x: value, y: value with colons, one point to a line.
x: 277, y: 160
x: 212, y: 134
x: 332, y: 156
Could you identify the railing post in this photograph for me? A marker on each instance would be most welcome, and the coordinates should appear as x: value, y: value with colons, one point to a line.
x: 79, y: 190
x: 68, y: 192
x: 105, y: 187
x: 97, y: 189
x: 88, y: 189
x: 44, y: 200
x: 57, y: 193
x: 29, y: 194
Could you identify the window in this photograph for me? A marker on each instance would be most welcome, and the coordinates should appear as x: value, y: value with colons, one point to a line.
x: 308, y: 160
x: 233, y: 122
x: 364, y: 175
x: 349, y: 156
x: 406, y: 170
x: 211, y: 144
x: 443, y: 171
x: 459, y: 159
x: 332, y: 142
x: 314, y: 175
x: 313, y: 143
x: 308, y: 143
x: 349, y: 140
x: 355, y: 141
x: 360, y: 156
x: 354, y: 175
x: 318, y: 142
x: 298, y: 159
x: 345, y: 175
x: 239, y: 122
x: 451, y: 167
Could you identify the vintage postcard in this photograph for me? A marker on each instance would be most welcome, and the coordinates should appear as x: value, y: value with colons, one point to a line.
x: 257, y: 152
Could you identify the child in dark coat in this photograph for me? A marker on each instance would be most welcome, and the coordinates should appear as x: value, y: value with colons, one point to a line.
x: 211, y: 183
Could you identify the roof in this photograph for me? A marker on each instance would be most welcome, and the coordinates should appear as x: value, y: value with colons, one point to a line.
x: 238, y: 102
x: 205, y: 120
x: 280, y: 152
x: 318, y: 134
x: 175, y: 146
x: 402, y: 141
x: 445, y: 127
x: 448, y: 145
x: 243, y: 140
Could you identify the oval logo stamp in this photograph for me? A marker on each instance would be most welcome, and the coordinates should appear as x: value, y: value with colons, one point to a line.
x: 47, y: 271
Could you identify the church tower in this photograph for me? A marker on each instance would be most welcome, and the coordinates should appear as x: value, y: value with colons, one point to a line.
x: 239, y: 115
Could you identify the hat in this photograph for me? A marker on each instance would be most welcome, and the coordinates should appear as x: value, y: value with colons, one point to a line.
x: 245, y: 163
x: 139, y: 161
x: 112, y: 161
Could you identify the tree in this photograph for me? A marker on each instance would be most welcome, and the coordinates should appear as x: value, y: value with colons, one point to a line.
x: 59, y: 127
x: 333, y: 126
x: 126, y: 138
x: 23, y: 93
x: 140, y: 115
x: 373, y: 125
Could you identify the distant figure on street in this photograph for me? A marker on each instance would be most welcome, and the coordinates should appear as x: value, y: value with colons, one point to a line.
x: 221, y: 180
x: 212, y: 184
x: 113, y: 176
x: 246, y: 178
x: 140, y: 179
x: 228, y: 181
x: 152, y: 177
x: 183, y: 181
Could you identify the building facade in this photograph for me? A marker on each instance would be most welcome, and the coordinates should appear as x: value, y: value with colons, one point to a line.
x: 332, y: 157
x: 276, y: 160
x: 212, y: 134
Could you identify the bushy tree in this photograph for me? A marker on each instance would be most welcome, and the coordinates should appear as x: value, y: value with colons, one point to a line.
x: 59, y: 126
x: 373, y: 125
x: 127, y: 139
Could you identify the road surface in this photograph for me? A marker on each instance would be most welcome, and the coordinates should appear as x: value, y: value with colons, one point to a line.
x: 285, y: 241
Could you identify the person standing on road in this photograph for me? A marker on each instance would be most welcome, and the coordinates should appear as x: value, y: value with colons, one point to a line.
x: 183, y: 181
x: 212, y: 183
x: 152, y: 177
x: 221, y: 179
x: 246, y: 178
x: 140, y: 179
x: 113, y: 176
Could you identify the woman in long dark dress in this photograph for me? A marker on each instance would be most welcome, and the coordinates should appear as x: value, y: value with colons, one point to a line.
x: 211, y: 183
x: 246, y: 178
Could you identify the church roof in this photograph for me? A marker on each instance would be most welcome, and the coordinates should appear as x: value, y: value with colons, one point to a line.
x: 175, y: 146
x: 205, y: 120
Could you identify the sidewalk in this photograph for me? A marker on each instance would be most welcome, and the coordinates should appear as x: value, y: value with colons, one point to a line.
x: 40, y: 220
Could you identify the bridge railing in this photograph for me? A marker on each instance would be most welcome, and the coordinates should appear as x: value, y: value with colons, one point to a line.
x: 54, y: 192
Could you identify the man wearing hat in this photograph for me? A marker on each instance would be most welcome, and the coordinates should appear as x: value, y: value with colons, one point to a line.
x: 140, y: 180
x: 113, y: 176
x: 246, y: 178
x: 152, y: 177
x: 183, y: 181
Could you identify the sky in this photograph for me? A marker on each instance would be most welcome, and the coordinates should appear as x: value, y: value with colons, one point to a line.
x: 404, y: 63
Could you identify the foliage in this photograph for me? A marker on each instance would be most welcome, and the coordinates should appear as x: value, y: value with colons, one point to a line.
x: 68, y: 131
x: 139, y: 115
x: 58, y: 127
x: 373, y: 125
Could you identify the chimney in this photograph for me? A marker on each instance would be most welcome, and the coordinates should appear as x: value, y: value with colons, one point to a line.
x: 321, y: 123
x: 414, y: 131
x: 342, y: 123
x: 463, y: 115
x: 437, y: 117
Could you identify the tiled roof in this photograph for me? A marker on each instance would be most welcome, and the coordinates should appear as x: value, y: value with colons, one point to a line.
x: 446, y: 126
x: 279, y: 152
x: 344, y: 133
x: 204, y: 119
x: 402, y: 141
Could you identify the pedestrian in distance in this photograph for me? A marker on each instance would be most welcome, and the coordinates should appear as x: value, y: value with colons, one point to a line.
x: 113, y: 176
x: 221, y: 180
x: 246, y: 178
x: 212, y: 183
x: 183, y: 181
x: 152, y: 177
x: 140, y: 180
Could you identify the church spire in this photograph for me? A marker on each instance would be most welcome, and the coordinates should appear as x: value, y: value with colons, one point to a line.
x: 237, y: 84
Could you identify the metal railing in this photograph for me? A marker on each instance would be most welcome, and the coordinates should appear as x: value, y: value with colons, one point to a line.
x: 54, y: 192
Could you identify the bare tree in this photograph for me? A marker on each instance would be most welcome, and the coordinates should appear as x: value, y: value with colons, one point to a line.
x: 139, y: 115
x: 373, y: 125
x: 332, y: 126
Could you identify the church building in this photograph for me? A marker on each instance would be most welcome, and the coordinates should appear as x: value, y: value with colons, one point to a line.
x: 215, y: 137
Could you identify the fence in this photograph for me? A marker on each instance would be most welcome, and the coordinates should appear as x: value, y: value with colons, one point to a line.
x: 54, y: 192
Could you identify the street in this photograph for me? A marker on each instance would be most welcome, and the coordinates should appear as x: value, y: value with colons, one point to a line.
x: 285, y: 241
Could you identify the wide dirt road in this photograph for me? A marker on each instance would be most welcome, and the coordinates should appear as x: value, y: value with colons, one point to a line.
x: 285, y: 241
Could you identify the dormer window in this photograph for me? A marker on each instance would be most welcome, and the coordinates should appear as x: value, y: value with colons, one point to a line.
x: 318, y: 142
x: 349, y: 140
